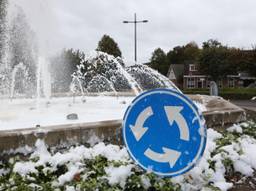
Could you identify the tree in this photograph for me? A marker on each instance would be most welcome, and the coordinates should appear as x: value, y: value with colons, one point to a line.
x: 109, y: 46
x: 252, y: 66
x: 191, y: 52
x: 214, y: 61
x: 182, y: 54
x: 176, y: 56
x: 247, y: 61
x: 158, y: 61
x: 212, y: 43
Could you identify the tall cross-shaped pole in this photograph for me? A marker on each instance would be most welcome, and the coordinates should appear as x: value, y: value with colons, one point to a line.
x: 135, y: 33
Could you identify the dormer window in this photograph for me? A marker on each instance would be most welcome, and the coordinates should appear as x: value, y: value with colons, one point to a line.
x: 192, y: 67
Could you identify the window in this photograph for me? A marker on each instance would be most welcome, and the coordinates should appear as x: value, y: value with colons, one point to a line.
x: 200, y: 82
x: 231, y: 83
x: 241, y: 83
x: 192, y: 67
x: 191, y: 83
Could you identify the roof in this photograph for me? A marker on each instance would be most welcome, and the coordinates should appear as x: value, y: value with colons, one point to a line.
x: 171, y: 74
x: 177, y: 70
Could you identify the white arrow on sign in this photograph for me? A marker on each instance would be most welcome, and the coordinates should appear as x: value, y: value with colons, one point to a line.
x: 138, y: 129
x: 173, y: 114
x: 169, y: 155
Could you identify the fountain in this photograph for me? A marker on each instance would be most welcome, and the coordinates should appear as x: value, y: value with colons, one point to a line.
x: 27, y: 47
x: 101, y: 72
x: 76, y: 87
x: 19, y: 82
x: 43, y: 79
x: 97, y: 73
x: 100, y: 84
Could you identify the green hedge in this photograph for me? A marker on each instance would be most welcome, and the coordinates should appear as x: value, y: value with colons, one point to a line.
x: 227, y: 93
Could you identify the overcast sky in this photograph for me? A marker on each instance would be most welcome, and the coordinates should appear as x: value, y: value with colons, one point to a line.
x: 81, y: 23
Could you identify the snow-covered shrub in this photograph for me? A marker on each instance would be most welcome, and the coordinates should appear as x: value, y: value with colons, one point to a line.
x: 229, y: 158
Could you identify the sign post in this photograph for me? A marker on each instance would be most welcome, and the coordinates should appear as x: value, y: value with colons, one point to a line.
x: 164, y: 132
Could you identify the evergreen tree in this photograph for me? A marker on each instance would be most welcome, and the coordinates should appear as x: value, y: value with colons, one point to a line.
x: 109, y: 46
x: 158, y: 61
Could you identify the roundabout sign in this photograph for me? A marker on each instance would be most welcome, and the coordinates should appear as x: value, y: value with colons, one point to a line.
x: 164, y: 133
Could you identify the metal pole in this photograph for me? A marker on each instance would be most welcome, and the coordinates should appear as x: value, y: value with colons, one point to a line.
x: 135, y: 21
x: 135, y: 38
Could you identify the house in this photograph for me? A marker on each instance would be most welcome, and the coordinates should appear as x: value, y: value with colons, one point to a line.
x: 187, y: 76
x: 192, y: 78
x: 175, y: 74
x: 242, y: 79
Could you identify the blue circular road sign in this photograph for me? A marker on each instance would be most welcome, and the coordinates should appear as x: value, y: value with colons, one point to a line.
x: 164, y: 132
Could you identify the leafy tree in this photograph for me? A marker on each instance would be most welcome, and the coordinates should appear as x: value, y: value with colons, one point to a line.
x: 182, y: 54
x: 247, y: 61
x: 214, y: 60
x: 158, y: 61
x: 218, y: 61
x: 235, y: 58
x: 191, y: 52
x: 212, y: 43
x: 176, y: 56
x: 109, y: 46
x: 252, y: 67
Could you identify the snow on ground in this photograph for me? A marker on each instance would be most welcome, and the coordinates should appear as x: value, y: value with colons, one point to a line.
x: 224, y: 152
x: 23, y: 113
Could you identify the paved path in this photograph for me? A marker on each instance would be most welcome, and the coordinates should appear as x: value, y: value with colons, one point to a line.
x: 246, y: 104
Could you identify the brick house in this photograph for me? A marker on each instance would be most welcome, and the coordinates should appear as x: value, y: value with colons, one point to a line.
x: 191, y: 78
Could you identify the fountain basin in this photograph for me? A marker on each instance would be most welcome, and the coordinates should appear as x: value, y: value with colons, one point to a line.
x: 27, y: 113
x: 219, y: 114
